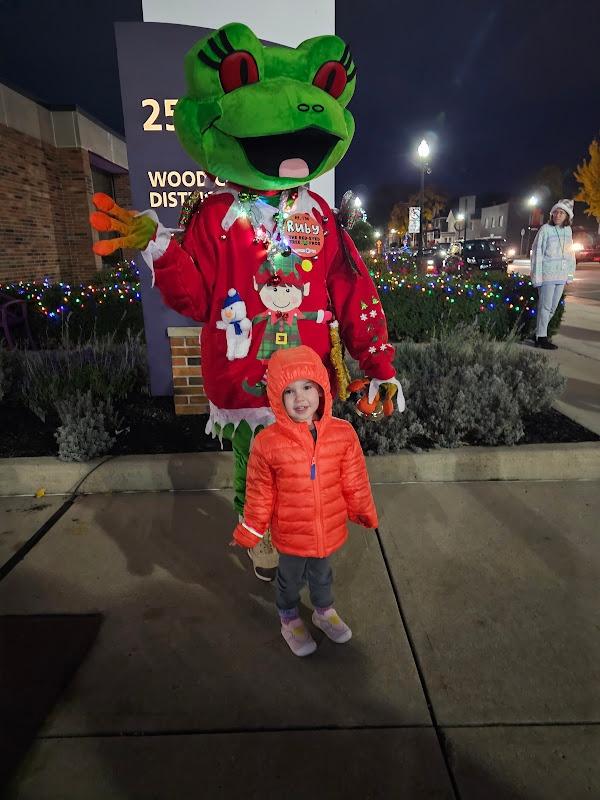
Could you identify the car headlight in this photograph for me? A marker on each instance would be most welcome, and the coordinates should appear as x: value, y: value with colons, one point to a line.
x: 577, y: 247
x: 443, y: 253
x: 430, y: 262
x: 511, y: 253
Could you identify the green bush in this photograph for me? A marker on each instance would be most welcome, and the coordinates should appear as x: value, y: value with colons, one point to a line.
x: 109, y: 304
x: 421, y: 307
x: 463, y: 388
x: 102, y: 366
x: 4, y: 373
x: 88, y: 428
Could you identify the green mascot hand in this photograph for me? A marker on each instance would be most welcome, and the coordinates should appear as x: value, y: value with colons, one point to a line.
x: 137, y: 231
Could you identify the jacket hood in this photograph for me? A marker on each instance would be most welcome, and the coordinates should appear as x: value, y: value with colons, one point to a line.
x: 294, y: 364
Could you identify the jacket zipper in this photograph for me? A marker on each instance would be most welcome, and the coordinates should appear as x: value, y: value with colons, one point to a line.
x: 318, y: 504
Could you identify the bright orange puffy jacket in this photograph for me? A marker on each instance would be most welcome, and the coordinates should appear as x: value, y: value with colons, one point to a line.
x: 303, y: 490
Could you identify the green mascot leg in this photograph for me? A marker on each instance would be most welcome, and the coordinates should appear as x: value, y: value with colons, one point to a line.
x: 264, y: 557
x: 240, y: 440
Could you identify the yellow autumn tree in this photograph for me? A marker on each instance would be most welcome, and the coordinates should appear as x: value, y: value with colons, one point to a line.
x: 588, y: 178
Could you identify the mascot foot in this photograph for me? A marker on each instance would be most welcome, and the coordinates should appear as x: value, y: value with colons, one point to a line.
x: 264, y: 559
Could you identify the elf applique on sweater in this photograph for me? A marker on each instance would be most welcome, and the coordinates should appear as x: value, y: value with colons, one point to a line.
x: 282, y: 291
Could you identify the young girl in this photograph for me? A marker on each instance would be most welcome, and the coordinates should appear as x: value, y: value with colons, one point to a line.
x: 552, y: 265
x: 306, y: 476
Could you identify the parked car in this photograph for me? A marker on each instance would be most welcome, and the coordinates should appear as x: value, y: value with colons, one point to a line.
x: 478, y: 254
x: 508, y: 250
x: 434, y: 258
x: 588, y: 251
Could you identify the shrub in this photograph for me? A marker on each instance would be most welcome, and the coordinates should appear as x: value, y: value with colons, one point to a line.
x: 420, y: 308
x: 387, y: 436
x: 463, y: 388
x: 102, y: 366
x: 88, y: 427
x: 109, y: 304
x: 4, y: 373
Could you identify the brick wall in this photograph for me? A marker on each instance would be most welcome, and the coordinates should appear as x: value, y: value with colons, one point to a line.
x: 72, y: 194
x: 28, y: 248
x: 46, y: 200
x: 186, y: 361
x: 123, y: 199
x: 122, y: 190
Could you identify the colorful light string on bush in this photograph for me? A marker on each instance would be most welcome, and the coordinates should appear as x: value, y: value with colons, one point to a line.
x: 76, y: 297
x: 492, y: 294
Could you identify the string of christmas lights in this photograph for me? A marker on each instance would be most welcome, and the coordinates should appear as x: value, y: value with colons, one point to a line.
x: 58, y: 300
x: 516, y: 293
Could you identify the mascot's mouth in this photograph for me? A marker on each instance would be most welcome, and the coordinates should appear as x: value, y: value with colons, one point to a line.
x: 285, y: 155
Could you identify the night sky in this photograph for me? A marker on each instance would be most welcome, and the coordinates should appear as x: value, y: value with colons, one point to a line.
x: 500, y: 88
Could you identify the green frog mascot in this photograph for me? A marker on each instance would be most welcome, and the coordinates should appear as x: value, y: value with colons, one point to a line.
x: 263, y: 263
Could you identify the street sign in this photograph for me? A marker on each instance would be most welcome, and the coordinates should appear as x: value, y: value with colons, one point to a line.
x: 522, y: 231
x: 414, y: 217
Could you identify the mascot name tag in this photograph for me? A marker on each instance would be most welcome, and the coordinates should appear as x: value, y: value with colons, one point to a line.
x: 304, y: 234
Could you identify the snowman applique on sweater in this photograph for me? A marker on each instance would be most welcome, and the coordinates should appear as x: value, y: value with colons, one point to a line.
x: 237, y: 326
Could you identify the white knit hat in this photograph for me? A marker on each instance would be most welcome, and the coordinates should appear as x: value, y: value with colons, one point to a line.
x: 566, y: 206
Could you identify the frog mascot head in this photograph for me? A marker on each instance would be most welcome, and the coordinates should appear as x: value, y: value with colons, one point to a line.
x: 268, y: 118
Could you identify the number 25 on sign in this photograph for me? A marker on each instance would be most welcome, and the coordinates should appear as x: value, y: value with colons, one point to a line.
x: 151, y: 123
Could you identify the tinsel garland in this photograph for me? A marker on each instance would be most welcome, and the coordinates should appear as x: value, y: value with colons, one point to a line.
x: 337, y: 359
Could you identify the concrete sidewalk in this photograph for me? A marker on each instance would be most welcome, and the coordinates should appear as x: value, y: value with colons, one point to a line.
x: 473, y: 672
x: 578, y: 357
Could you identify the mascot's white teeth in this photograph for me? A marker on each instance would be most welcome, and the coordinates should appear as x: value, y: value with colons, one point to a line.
x: 293, y: 168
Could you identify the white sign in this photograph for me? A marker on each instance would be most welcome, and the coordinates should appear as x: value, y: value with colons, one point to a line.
x: 282, y: 21
x: 414, y: 218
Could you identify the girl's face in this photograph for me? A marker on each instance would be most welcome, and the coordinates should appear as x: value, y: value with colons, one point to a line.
x: 559, y: 216
x: 301, y: 400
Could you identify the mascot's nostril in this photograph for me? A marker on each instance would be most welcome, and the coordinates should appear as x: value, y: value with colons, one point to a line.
x: 304, y: 107
x: 318, y: 107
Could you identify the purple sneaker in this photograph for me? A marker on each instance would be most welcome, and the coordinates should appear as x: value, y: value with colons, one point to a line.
x: 298, y: 638
x: 332, y: 626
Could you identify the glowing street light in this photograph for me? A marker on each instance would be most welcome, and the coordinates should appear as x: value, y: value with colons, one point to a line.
x: 532, y: 203
x: 378, y: 234
x: 423, y: 153
x: 423, y: 149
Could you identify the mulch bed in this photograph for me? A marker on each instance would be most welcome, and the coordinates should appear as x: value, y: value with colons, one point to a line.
x: 151, y: 426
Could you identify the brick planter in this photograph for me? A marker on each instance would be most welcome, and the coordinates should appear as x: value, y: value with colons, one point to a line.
x: 186, y: 363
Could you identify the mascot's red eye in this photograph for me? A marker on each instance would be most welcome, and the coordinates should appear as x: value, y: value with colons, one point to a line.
x: 238, y: 69
x: 332, y: 78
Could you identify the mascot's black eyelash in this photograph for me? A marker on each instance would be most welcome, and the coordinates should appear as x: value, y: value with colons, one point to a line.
x: 224, y: 49
x: 346, y: 61
x: 217, y: 50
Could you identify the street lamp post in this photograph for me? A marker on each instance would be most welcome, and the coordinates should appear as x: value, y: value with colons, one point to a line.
x: 423, y: 153
x: 461, y: 218
x: 532, y: 204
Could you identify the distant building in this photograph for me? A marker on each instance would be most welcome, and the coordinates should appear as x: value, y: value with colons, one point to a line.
x: 489, y: 218
x: 505, y: 221
x: 51, y: 162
